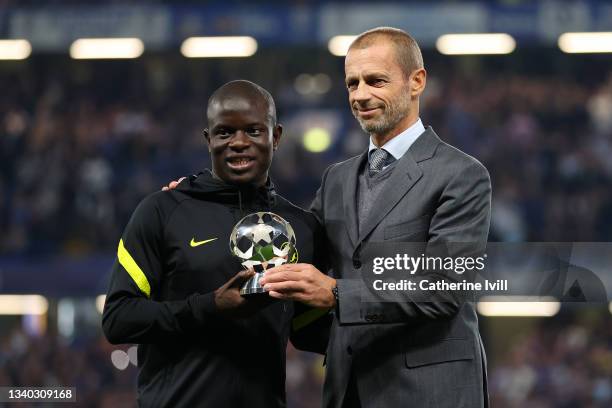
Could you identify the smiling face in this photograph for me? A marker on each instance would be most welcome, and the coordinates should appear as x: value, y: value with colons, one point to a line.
x: 241, y: 137
x: 382, y: 98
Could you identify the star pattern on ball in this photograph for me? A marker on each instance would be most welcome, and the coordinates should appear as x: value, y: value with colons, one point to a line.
x: 262, y: 240
x: 263, y: 233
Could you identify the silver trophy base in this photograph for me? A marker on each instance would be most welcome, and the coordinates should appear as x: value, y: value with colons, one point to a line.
x: 252, y: 286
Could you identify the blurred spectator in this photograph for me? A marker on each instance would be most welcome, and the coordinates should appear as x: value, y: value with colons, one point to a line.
x: 81, y: 143
x: 52, y: 361
x: 75, y: 160
x: 566, y: 363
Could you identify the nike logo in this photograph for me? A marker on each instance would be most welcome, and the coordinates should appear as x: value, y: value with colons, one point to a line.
x: 195, y: 243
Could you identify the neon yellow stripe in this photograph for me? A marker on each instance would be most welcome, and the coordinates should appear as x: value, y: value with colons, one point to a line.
x: 126, y: 260
x: 307, y: 317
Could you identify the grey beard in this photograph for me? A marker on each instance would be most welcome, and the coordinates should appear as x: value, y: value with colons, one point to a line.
x: 380, y: 127
x: 388, y: 121
x: 383, y: 125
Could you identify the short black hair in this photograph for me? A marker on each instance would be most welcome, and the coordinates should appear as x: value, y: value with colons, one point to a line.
x: 248, y: 89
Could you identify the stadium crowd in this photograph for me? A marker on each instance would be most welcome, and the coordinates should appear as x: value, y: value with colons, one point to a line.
x: 82, y: 144
x: 561, y: 363
x: 80, y: 148
x: 52, y: 360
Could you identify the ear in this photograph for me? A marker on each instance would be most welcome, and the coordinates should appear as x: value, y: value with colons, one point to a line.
x: 206, y: 135
x: 276, y: 136
x: 417, y: 81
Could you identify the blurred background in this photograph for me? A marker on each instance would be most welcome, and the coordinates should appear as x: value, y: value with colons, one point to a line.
x: 88, y: 130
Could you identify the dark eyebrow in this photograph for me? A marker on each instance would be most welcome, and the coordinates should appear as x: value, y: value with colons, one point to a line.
x: 218, y: 127
x: 221, y: 125
x: 232, y: 127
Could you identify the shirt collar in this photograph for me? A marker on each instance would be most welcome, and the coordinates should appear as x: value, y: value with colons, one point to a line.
x: 400, y: 144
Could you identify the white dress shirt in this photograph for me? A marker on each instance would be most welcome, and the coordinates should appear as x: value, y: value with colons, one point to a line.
x: 400, y: 144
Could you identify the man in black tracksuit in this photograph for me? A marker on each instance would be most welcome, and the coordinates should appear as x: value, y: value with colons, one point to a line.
x: 175, y: 288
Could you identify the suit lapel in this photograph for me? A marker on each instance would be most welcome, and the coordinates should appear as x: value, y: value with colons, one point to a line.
x: 405, y: 174
x: 349, y: 197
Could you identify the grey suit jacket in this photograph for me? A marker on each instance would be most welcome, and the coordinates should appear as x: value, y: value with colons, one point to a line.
x: 412, y: 353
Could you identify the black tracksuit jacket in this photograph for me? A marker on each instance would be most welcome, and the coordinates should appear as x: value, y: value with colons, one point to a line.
x: 161, y: 297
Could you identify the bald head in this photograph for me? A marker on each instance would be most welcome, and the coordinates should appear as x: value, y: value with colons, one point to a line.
x: 407, y: 51
x: 241, y: 95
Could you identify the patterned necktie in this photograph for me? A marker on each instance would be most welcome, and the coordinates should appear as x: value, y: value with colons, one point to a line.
x: 378, y: 158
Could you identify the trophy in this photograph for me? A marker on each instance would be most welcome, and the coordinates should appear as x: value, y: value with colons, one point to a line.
x: 260, y: 241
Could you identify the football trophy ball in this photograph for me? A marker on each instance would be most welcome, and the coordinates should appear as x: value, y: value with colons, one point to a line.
x: 260, y: 241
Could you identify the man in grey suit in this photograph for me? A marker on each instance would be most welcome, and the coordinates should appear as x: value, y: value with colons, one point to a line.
x: 409, y: 186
